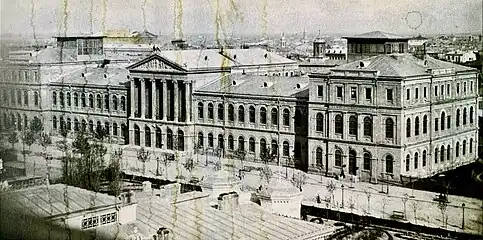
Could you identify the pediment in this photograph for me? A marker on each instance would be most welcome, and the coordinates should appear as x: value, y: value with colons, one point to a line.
x: 156, y: 63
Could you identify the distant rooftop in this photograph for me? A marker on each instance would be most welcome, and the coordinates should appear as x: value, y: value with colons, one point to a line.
x: 376, y: 35
x: 111, y: 75
x: 80, y: 35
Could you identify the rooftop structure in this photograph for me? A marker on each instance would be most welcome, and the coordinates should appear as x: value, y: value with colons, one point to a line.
x: 374, y: 43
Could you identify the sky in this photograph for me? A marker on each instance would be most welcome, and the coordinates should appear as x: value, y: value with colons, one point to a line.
x: 261, y: 17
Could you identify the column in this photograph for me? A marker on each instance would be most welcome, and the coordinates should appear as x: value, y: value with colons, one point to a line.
x: 143, y: 99
x: 176, y: 100
x: 133, y: 104
x: 165, y: 100
x: 188, y: 101
x: 153, y: 100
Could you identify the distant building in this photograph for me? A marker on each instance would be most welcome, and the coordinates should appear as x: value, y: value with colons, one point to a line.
x: 460, y: 56
x: 374, y: 43
x: 123, y: 36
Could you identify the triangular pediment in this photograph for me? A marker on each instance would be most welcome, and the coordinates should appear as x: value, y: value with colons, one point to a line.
x: 156, y: 63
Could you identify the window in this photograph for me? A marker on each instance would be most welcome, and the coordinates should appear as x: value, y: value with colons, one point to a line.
x: 368, y: 94
x: 442, y: 154
x: 147, y: 136
x: 436, y: 152
x: 448, y: 122
x: 54, y: 122
x: 137, y: 136
x: 36, y: 99
x: 158, y: 137
x: 408, y: 161
x: 221, y: 142
x: 91, y: 101
x: 424, y: 158
x: 274, y: 115
x: 263, y: 145
x: 99, y: 101
x: 457, y: 149
x: 339, y: 125
x: 123, y: 103
x: 286, y: 117
x: 353, y: 93
x: 389, y: 164
x: 210, y: 111
x: 447, y: 89
x: 200, y: 110
x: 408, y: 94
x: 251, y: 114
x: 221, y: 111
x: 416, y: 126
x: 54, y: 98
x: 251, y: 145
x: 389, y: 128
x: 114, y: 102
x: 464, y: 116
x: 241, y: 114
x: 416, y: 159
x: 464, y: 147
x: 275, y: 147
x: 435, y: 90
x: 367, y: 161
x: 443, y: 118
x: 200, y: 140
x: 471, y: 86
x: 464, y: 87
x: 318, y: 157
x: 408, y: 127
x: 441, y: 88
x: 319, y: 122
x: 338, y: 158
x: 231, y: 113
x: 425, y: 91
x: 458, y: 114
x: 169, y: 139
x: 320, y: 91
x: 367, y: 127
x: 353, y: 125
x: 90, y: 222
x: 401, y: 48
x: 89, y: 46
x: 231, y: 143
x: 286, y: 149
x: 448, y: 152
x: 180, y: 140
x: 263, y: 115
x: 69, y: 103
x: 471, y: 115
x: 106, y: 102
x: 210, y: 140
x: 19, y: 97
x: 389, y: 95
x: 339, y: 92
x: 436, y: 127
x: 471, y: 146
x: 76, y: 126
x: 457, y: 88
x: 114, y: 129
x: 62, y: 100
x: 416, y: 93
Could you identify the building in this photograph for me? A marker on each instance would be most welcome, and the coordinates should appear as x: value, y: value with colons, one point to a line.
x: 424, y: 110
x: 460, y: 56
x: 374, y: 43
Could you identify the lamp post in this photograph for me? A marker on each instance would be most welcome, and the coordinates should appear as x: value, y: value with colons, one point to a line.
x: 463, y: 220
x: 342, y: 187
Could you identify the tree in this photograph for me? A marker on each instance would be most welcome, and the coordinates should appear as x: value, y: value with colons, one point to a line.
x: 165, y: 160
x: 368, y: 195
x: 299, y: 180
x: 405, y: 200
x: 113, y: 173
x: 266, y: 155
x: 416, y: 206
x: 143, y: 156
x: 240, y: 154
x: 384, y: 204
x: 266, y: 174
x: 331, y: 188
x: 13, y: 138
x: 443, y: 205
x: 189, y: 165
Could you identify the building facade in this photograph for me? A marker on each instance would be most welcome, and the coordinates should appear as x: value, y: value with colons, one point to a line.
x: 374, y: 43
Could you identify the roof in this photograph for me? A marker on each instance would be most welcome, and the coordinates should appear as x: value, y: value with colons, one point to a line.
x: 55, y: 200
x: 196, y: 219
x: 280, y: 187
x: 110, y: 75
x: 196, y: 59
x: 377, y: 35
x: 255, y: 56
x: 400, y: 65
x: 51, y: 55
x: 276, y: 86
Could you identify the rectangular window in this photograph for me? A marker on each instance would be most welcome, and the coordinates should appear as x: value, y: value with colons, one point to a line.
x: 320, y: 91
x: 464, y: 87
x: 389, y: 96
x: 388, y: 48
x: 339, y: 92
x: 436, y: 121
x: 436, y: 91
x: 442, y: 90
x: 447, y: 89
x: 416, y: 93
x: 368, y: 94
x: 401, y: 48
x: 425, y: 90
x: 449, y: 122
x: 457, y: 88
x: 408, y: 94
x: 471, y: 86
x: 353, y: 93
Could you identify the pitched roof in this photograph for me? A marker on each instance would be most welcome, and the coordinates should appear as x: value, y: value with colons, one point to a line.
x: 378, y: 35
x: 255, y: 56
x: 400, y: 65
x: 197, y: 59
x: 110, y: 75
x: 275, y: 86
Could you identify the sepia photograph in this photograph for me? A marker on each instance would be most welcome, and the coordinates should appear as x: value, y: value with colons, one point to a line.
x: 241, y: 119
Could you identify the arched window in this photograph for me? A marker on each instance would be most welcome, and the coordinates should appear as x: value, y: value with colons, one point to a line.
x: 19, y: 122
x: 106, y: 102
x: 68, y: 99
x: 54, y: 98
x: 448, y: 152
x: 318, y: 156
x: 471, y: 115
x: 443, y: 118
x: 338, y: 157
x: 114, y: 102
x: 221, y: 142
x: 114, y: 129
x: 416, y: 126
x: 84, y: 125
x: 36, y: 99
x: 221, y: 111
x: 339, y: 125
x: 99, y: 101
x: 147, y: 136
x: 389, y: 164
x: 367, y: 161
x: 274, y: 147
x: 457, y: 149
x: 263, y: 145
x: 464, y: 147
x: 367, y: 127
x: 200, y: 110
x: 436, y: 153
x: 241, y: 114
x: 125, y: 133
x: 158, y: 140
x: 286, y: 117
x: 76, y: 125
x: 425, y: 124
x: 353, y: 125
x: 263, y: 115
x: 424, y: 158
x: 91, y: 101
x: 180, y: 140
x: 69, y: 123
x: 408, y: 162
x: 442, y: 152
x: 408, y: 127
x: 251, y: 114
x: 98, y: 127
x: 251, y: 145
x: 458, y: 116
x: 274, y: 116
x: 169, y: 139
x: 286, y: 149
x: 137, y: 136
x: 54, y: 122
x: 200, y: 140
x: 241, y: 144
x: 471, y: 145
x: 464, y: 116
x: 210, y: 111
x: 416, y: 160
x: 389, y: 128
x: 83, y: 100
x: 210, y: 140
x: 231, y: 113
x: 231, y: 143
x: 319, y: 122
x: 123, y: 103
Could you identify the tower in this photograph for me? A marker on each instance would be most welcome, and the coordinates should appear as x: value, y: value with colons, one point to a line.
x: 283, y: 41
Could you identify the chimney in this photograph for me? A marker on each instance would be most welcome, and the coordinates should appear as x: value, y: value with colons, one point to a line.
x: 228, y: 201
x: 162, y: 234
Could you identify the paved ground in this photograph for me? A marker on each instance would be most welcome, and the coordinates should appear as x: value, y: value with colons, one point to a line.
x: 420, y: 209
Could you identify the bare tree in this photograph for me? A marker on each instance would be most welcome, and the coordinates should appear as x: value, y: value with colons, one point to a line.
x: 416, y: 206
x: 143, y: 156
x: 266, y: 174
x: 368, y: 195
x: 189, y: 165
x: 405, y: 200
x: 384, y: 204
x: 299, y: 180
x: 114, y: 172
x: 331, y: 188
x: 240, y: 154
x: 165, y: 160
x: 443, y: 206
x: 266, y: 155
x: 13, y: 138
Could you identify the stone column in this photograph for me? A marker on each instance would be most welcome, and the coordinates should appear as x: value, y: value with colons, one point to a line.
x: 153, y: 99
x: 165, y: 100
x: 133, y: 102
x: 176, y: 100
x: 188, y: 101
x: 143, y: 98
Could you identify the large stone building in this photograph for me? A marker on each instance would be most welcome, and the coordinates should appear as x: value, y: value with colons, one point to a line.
x: 393, y: 114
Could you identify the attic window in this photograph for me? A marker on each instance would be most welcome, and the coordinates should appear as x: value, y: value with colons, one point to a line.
x: 234, y: 56
x: 265, y: 84
x: 105, y: 75
x: 425, y: 63
x: 128, y: 77
x: 82, y: 75
x: 234, y: 83
x: 266, y: 55
x: 298, y: 85
x: 206, y: 58
x: 361, y: 64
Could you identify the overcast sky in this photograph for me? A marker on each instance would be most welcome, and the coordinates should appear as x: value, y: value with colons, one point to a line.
x: 242, y: 16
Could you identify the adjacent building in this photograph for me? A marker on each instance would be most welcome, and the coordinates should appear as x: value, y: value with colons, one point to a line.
x: 374, y: 43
